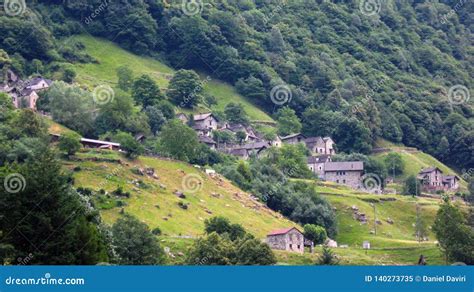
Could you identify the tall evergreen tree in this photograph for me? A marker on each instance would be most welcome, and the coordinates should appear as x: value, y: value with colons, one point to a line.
x: 43, y: 215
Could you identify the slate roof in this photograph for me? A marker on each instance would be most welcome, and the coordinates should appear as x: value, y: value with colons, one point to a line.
x: 256, y: 145
x: 283, y: 231
x: 37, y: 80
x: 293, y: 136
x: 430, y: 169
x: 201, y: 117
x: 450, y: 177
x: 344, y: 166
x: 206, y: 139
x: 319, y: 159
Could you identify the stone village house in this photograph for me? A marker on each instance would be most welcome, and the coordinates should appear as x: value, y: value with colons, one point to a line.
x: 347, y: 173
x: 206, y: 121
x: 24, y: 94
x: 316, y: 164
x: 290, y: 239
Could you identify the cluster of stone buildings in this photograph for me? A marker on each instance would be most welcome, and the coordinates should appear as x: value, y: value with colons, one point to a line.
x: 321, y: 149
x: 433, y: 179
x: 24, y: 93
x: 207, y: 124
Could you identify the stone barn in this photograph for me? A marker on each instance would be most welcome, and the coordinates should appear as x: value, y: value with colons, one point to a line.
x: 290, y: 239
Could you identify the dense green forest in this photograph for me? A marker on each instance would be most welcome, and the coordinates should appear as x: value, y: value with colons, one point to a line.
x: 401, y: 72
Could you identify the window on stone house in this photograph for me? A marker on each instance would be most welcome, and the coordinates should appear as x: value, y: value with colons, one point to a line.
x: 298, y: 246
x: 291, y: 246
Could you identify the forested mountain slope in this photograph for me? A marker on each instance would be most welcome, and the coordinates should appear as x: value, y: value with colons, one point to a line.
x: 401, y: 71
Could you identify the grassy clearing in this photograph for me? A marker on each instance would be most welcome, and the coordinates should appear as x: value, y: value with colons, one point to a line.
x: 414, y: 161
x: 394, y: 244
x: 55, y: 128
x: 110, y: 57
x: 158, y: 207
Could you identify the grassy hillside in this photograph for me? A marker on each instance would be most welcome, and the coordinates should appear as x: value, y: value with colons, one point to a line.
x: 153, y: 200
x: 110, y: 57
x: 158, y: 207
x: 394, y: 244
x: 414, y: 160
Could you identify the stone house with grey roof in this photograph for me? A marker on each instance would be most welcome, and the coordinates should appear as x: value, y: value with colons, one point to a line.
x: 289, y: 239
x: 320, y: 145
x: 347, y: 173
x: 206, y: 121
x: 316, y: 164
x: 293, y: 138
x: 24, y: 94
x: 247, y: 150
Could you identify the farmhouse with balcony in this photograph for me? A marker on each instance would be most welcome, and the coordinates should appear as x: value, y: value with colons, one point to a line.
x: 290, y: 239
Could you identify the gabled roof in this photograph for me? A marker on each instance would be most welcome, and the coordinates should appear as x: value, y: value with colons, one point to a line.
x: 37, y: 80
x: 450, y: 177
x: 201, y: 117
x: 314, y: 139
x: 430, y: 169
x: 256, y: 145
x: 206, y: 139
x: 283, y: 231
x: 27, y: 92
x: 344, y: 166
x: 293, y: 136
x: 327, y: 139
x: 319, y: 159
